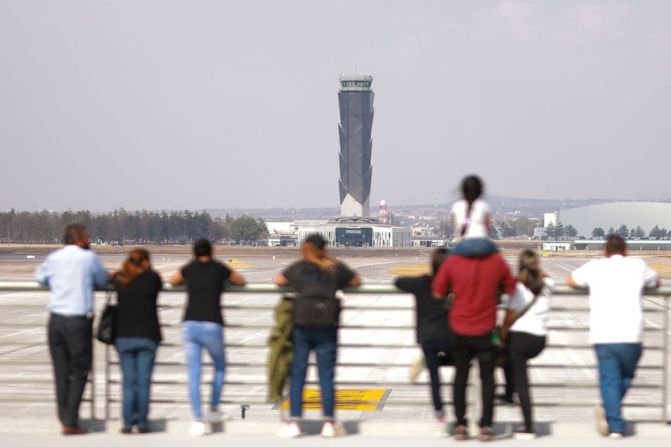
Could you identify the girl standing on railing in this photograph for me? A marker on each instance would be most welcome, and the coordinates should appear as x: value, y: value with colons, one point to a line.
x: 138, y: 334
x: 525, y: 329
x: 316, y: 278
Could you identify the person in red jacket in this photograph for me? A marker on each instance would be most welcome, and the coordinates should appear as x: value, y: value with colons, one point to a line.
x: 476, y: 283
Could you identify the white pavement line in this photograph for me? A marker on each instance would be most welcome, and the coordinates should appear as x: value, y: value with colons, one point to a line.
x: 21, y: 332
x: 650, y: 322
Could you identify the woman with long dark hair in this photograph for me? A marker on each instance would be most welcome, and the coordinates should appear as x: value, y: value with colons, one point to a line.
x: 525, y: 329
x: 138, y: 334
x: 316, y: 278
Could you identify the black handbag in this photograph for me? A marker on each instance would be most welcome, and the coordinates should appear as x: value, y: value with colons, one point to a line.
x: 316, y: 311
x: 106, y: 331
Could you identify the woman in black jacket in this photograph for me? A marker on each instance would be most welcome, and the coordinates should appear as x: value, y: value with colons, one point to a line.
x: 432, y: 331
x: 138, y: 334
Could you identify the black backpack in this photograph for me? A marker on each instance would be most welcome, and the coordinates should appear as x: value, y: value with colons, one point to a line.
x: 316, y: 304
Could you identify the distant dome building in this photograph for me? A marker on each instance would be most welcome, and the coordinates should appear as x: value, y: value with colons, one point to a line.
x: 632, y: 214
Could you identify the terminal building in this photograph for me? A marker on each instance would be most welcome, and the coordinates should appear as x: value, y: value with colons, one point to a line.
x: 356, y: 232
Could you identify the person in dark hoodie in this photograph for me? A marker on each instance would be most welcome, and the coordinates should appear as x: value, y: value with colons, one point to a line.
x: 432, y: 331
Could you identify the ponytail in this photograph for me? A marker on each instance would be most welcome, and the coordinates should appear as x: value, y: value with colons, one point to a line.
x: 471, y: 189
x: 530, y: 274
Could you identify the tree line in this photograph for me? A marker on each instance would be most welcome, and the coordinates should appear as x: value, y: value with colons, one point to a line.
x: 130, y: 227
x: 633, y: 233
x: 560, y: 231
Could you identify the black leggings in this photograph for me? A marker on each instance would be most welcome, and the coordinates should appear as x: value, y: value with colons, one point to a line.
x: 522, y: 346
x: 437, y: 354
x: 465, y: 348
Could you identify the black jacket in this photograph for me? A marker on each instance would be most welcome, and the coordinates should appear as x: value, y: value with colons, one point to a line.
x: 430, y: 314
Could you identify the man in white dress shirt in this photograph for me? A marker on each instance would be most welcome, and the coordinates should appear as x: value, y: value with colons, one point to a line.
x: 71, y: 273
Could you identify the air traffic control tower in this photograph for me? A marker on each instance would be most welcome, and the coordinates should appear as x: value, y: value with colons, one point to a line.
x: 356, y: 123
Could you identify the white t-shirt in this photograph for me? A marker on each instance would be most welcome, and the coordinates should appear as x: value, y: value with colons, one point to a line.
x: 616, y: 307
x: 535, y: 320
x: 477, y: 221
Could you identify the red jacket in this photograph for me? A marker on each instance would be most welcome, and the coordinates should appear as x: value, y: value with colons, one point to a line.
x: 476, y: 283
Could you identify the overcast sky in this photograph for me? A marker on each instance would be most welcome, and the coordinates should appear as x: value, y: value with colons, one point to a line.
x: 214, y: 104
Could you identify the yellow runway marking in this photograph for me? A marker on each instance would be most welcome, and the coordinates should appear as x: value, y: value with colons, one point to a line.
x: 237, y: 265
x: 410, y: 270
x: 661, y: 268
x: 345, y: 399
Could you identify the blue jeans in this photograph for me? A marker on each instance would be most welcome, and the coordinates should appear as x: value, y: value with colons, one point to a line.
x: 474, y: 248
x: 324, y: 342
x: 136, y: 355
x: 198, y: 335
x: 617, y: 367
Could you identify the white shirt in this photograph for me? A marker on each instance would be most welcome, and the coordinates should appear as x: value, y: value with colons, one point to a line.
x: 535, y: 320
x: 616, y: 307
x: 477, y: 221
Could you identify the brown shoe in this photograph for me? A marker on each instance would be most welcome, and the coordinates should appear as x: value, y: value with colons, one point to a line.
x: 486, y: 434
x: 73, y: 431
x: 460, y: 433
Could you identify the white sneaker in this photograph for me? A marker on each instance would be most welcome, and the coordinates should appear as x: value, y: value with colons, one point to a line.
x: 214, y: 417
x: 197, y: 428
x: 615, y: 435
x: 525, y: 435
x: 601, y: 422
x: 417, y: 366
x: 332, y: 430
x: 442, y: 429
x: 289, y: 430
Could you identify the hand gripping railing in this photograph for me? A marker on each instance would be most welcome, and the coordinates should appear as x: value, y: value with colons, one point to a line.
x: 13, y: 304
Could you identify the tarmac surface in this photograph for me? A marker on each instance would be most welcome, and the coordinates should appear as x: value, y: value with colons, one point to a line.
x: 26, y: 392
x: 245, y: 440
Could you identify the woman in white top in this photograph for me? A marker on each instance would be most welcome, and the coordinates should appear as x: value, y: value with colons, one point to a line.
x: 471, y: 219
x: 525, y: 329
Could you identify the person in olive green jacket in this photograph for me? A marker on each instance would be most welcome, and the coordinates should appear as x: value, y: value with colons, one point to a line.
x: 281, y: 349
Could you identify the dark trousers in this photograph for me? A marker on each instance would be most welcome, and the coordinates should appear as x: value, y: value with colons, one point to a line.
x: 465, y: 348
x: 324, y: 342
x: 71, y: 349
x: 437, y: 353
x: 521, y: 348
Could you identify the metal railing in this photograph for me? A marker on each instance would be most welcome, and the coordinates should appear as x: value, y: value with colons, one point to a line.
x: 262, y: 320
